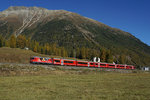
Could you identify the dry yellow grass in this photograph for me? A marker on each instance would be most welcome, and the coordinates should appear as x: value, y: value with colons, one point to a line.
x: 62, y: 86
x: 16, y: 55
x: 35, y: 82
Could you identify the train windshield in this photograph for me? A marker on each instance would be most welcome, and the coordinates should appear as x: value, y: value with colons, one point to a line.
x: 31, y: 58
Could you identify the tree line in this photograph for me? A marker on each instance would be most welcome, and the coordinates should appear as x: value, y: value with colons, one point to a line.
x: 54, y: 49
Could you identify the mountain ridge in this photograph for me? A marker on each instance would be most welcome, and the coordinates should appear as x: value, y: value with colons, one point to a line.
x: 66, y: 28
x: 38, y: 11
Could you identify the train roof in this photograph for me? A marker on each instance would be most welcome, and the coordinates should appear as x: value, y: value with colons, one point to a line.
x: 38, y: 57
x: 82, y: 61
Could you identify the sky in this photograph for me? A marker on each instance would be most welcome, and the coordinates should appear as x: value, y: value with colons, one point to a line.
x: 132, y: 16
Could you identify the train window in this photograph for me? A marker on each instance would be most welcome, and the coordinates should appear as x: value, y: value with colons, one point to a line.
x: 31, y: 58
x: 57, y: 60
x: 121, y: 66
x: 82, y: 63
x: 46, y: 59
x: 130, y: 66
x: 68, y: 61
x: 102, y: 64
x: 96, y: 64
x: 41, y: 58
x: 111, y: 65
x: 91, y: 63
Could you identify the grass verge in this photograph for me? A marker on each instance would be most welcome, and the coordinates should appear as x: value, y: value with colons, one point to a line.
x: 38, y: 83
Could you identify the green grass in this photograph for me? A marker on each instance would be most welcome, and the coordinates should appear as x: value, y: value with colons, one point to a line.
x: 25, y: 82
x: 62, y: 85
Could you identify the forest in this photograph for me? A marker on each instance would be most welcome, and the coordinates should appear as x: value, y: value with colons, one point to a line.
x: 54, y: 49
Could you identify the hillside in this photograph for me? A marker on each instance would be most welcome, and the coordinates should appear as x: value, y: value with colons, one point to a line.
x: 16, y: 55
x: 71, y: 30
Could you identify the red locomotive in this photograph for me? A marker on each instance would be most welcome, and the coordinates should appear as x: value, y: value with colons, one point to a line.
x: 78, y: 63
x: 40, y: 60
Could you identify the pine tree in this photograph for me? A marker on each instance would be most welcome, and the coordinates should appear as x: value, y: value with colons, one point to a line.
x: 36, y: 46
x: 109, y: 57
x: 71, y: 53
x: 12, y: 41
x: 50, y: 50
x: 88, y: 53
x: 6, y: 44
x: 122, y: 59
x: 103, y: 55
x: 83, y: 53
x: 63, y: 52
x: 78, y: 55
x: 1, y: 41
x: 54, y: 49
x: 43, y: 49
x: 95, y: 53
x: 39, y: 49
x: 35, y: 49
x: 28, y: 42
x: 21, y: 41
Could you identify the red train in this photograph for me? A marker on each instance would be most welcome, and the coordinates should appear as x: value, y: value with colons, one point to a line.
x: 68, y: 62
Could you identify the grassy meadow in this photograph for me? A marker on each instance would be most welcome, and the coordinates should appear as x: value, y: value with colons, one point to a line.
x: 35, y: 82
x: 62, y: 84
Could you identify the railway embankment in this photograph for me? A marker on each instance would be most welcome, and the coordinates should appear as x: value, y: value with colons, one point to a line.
x: 34, y: 69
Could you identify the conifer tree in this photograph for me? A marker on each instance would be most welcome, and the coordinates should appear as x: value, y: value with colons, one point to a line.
x: 122, y: 59
x: 6, y: 44
x: 43, y: 49
x: 103, y: 55
x: 21, y: 41
x: 83, y: 53
x: 63, y: 52
x: 36, y: 46
x: 28, y: 42
x: 1, y: 41
x: 50, y: 50
x: 39, y: 50
x: 58, y: 52
x: 12, y: 41
x: 47, y: 48
x: 78, y: 55
x: 71, y: 53
x: 30, y: 45
x: 54, y: 49
x: 35, y: 49
x: 87, y: 53
x: 109, y: 57
x: 95, y: 53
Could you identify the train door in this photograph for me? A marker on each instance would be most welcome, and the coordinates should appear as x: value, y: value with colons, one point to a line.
x: 88, y: 64
x: 62, y: 62
x: 98, y: 64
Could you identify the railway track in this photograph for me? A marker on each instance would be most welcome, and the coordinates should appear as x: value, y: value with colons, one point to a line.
x: 55, y: 67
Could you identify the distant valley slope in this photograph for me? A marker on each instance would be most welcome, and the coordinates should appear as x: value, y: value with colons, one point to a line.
x: 70, y: 30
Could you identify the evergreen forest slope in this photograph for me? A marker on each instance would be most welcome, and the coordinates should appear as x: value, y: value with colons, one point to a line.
x: 72, y: 31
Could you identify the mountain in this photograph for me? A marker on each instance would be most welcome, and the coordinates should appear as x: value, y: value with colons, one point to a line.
x: 70, y: 30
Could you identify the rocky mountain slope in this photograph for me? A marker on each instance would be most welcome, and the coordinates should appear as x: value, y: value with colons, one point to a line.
x: 70, y: 30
